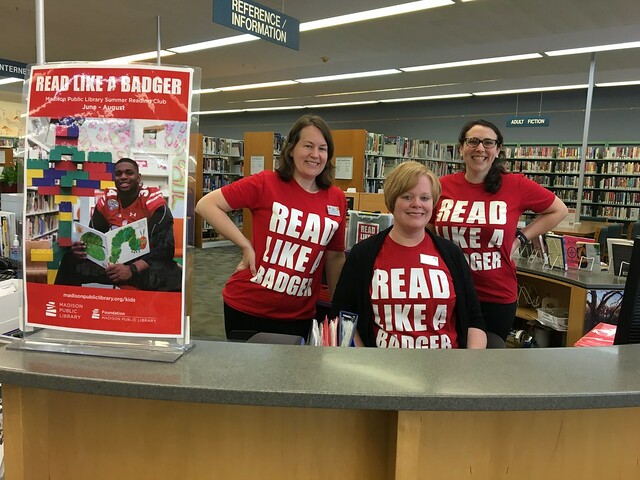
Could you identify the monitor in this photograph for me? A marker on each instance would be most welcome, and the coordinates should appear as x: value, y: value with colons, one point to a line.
x: 619, y: 255
x: 628, y: 330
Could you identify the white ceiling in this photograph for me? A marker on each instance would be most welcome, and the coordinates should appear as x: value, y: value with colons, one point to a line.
x: 97, y: 30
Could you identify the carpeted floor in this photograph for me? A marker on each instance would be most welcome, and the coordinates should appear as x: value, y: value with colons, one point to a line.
x: 212, y: 267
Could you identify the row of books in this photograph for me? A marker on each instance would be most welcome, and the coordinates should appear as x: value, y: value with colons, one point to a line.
x: 39, y: 203
x: 7, y: 231
x: 222, y: 146
x: 621, y: 198
x: 399, y: 146
x: 213, y: 182
x: 563, y: 251
x: 622, y: 167
x: 222, y: 165
x: 599, y: 152
x: 620, y: 213
x: 618, y: 182
x: 278, y: 142
x: 41, y: 226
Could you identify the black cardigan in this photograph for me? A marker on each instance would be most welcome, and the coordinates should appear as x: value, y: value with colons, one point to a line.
x: 352, y: 291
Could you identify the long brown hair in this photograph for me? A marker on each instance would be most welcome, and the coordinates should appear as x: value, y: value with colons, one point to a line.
x: 286, y: 168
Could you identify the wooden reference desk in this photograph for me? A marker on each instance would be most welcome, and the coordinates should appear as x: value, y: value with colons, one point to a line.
x: 583, y: 229
x: 570, y: 287
x: 247, y: 411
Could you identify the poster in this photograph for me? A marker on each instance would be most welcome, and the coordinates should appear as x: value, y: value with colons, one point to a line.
x: 81, y: 119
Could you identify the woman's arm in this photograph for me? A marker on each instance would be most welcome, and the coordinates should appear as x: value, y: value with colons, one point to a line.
x: 546, y: 220
x: 476, y: 338
x: 213, y: 207
x: 333, y: 266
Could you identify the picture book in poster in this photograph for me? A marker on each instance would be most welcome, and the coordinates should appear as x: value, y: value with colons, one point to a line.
x: 572, y: 258
x: 119, y: 245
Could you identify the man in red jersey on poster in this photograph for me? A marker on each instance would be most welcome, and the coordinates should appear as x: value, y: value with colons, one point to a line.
x: 128, y: 202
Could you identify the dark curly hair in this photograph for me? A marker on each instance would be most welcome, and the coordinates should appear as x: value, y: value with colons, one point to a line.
x: 286, y: 168
x: 493, y: 180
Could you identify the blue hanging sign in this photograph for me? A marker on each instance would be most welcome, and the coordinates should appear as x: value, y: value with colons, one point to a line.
x: 528, y: 121
x: 255, y: 19
x: 11, y: 69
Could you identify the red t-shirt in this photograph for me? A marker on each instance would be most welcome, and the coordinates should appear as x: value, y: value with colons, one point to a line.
x: 412, y: 297
x: 484, y: 226
x: 292, y: 228
x: 149, y: 199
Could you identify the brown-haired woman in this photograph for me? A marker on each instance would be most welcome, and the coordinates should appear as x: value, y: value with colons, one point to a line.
x: 298, y: 230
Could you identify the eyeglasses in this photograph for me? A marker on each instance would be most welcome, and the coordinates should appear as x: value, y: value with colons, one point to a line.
x: 473, y: 142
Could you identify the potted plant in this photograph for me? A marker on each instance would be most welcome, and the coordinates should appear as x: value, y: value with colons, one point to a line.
x: 9, y: 178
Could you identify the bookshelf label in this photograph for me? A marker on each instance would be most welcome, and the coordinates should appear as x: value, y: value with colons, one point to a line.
x: 528, y: 121
x: 256, y: 19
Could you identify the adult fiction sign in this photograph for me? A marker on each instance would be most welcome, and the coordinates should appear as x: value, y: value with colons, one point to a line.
x: 528, y: 121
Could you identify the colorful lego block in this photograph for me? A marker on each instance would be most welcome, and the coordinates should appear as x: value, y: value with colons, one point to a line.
x: 48, y: 190
x: 43, y: 182
x: 41, y: 255
x: 35, y: 163
x: 64, y: 242
x: 65, y: 165
x: 67, y: 182
x: 65, y: 198
x: 83, y: 192
x: 88, y: 183
x: 57, y: 152
x: 65, y: 207
x: 107, y: 184
x: 65, y: 216
x: 64, y: 229
x: 102, y: 176
x: 99, y: 157
x: 95, y: 167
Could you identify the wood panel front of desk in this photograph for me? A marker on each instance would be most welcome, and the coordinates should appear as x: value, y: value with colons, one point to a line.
x: 53, y: 435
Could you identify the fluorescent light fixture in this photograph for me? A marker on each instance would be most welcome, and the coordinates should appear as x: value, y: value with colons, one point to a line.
x: 6, y: 81
x: 256, y: 100
x: 430, y: 97
x: 218, y: 112
x: 206, y: 90
x: 346, y: 76
x: 380, y: 90
x: 138, y: 57
x: 466, y: 63
x: 268, y: 109
x: 596, y: 48
x: 372, y: 14
x: 618, y: 84
x: 256, y: 85
x: 342, y: 104
x: 527, y: 90
x: 220, y: 42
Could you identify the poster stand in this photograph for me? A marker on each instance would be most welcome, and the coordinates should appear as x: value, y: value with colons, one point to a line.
x: 82, y: 120
x: 115, y: 346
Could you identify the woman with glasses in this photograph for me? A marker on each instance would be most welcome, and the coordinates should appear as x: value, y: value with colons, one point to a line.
x: 479, y: 210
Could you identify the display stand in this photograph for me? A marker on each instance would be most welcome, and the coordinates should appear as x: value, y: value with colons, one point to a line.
x: 90, y: 305
x: 115, y: 346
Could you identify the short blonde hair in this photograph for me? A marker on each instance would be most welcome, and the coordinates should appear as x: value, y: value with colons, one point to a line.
x: 404, y: 177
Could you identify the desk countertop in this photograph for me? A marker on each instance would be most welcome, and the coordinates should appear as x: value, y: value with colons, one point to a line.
x: 592, y: 280
x: 349, y: 378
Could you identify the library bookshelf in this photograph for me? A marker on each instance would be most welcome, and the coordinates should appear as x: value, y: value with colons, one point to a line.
x: 611, y: 186
x: 220, y: 161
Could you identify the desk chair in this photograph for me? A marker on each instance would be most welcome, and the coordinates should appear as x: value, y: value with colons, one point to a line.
x: 634, y: 230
